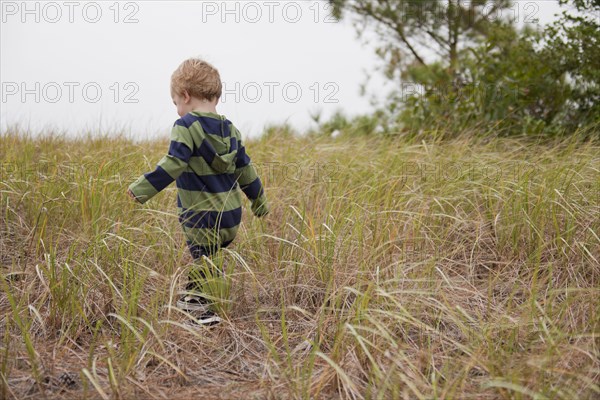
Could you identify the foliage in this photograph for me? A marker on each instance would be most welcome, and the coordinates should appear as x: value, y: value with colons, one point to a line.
x: 573, y: 51
x: 361, y: 125
x: 490, y: 78
x: 504, y: 86
x: 408, y: 29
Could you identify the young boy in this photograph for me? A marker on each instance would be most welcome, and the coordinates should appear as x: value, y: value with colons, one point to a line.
x: 208, y: 161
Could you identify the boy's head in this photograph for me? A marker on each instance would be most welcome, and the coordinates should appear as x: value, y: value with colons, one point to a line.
x: 198, y: 79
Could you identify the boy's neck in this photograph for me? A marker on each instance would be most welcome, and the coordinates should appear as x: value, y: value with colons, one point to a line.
x: 207, y: 109
x: 205, y: 106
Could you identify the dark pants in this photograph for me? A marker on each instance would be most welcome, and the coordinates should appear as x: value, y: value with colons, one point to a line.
x: 198, y: 252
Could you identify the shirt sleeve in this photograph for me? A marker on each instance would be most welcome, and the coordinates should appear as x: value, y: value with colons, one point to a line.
x: 169, y: 167
x: 250, y: 183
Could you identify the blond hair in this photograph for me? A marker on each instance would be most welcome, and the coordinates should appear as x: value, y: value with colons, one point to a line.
x: 198, y: 78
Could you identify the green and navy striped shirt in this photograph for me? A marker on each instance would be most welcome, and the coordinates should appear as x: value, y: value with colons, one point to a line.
x: 208, y: 161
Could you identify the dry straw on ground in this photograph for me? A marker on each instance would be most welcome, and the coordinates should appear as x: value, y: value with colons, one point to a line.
x: 387, y: 269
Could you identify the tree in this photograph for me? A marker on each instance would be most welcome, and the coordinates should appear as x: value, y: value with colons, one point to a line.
x: 409, y: 29
x: 573, y: 50
x: 504, y: 86
x: 473, y: 69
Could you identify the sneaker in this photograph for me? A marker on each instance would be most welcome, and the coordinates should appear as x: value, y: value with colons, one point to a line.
x: 199, y: 307
x: 193, y: 303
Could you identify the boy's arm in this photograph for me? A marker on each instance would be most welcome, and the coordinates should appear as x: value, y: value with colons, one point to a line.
x: 250, y: 183
x: 169, y: 167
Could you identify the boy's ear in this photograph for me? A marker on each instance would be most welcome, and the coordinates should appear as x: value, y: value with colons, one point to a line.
x: 186, y: 96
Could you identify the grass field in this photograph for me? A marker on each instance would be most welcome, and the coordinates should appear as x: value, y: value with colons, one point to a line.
x: 387, y: 269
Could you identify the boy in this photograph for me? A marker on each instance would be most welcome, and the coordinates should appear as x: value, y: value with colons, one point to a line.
x: 208, y: 161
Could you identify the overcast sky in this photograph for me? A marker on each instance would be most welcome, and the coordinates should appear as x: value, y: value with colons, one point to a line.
x: 104, y: 66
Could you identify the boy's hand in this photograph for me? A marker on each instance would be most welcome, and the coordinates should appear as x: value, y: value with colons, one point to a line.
x: 130, y: 193
x: 259, y: 207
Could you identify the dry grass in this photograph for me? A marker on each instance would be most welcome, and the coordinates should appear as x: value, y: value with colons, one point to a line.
x: 386, y: 269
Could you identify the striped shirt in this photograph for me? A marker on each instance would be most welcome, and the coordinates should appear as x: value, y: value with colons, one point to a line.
x: 208, y: 161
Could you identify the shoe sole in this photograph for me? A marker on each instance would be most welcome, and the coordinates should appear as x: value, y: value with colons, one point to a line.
x: 209, y: 321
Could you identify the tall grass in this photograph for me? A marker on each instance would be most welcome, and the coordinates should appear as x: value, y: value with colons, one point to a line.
x: 387, y: 269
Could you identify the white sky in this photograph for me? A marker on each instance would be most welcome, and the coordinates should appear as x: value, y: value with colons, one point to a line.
x: 103, y: 65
